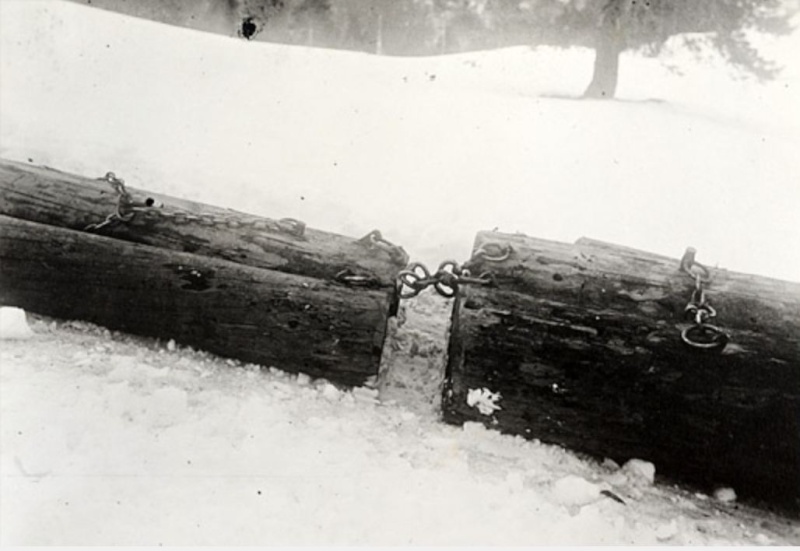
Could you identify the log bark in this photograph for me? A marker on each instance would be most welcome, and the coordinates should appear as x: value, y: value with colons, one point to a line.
x: 48, y: 196
x: 583, y: 344
x: 292, y: 322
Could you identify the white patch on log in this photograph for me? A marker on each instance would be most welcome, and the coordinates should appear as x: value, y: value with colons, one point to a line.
x: 483, y: 399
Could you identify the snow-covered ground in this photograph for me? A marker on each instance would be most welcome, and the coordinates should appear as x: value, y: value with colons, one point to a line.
x: 110, y: 439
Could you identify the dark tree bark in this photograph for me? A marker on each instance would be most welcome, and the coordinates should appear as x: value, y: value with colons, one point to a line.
x: 48, y: 196
x: 582, y: 344
x: 606, y: 67
x: 292, y: 322
x: 609, y: 44
x: 271, y: 292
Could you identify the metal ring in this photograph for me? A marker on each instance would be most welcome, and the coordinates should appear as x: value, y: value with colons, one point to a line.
x: 504, y: 251
x: 452, y: 264
x: 414, y: 266
x: 292, y: 226
x: 688, y: 262
x: 447, y: 291
x: 349, y: 277
x: 411, y: 278
x: 718, y: 340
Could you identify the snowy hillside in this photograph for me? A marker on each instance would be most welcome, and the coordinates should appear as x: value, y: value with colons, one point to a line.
x: 110, y: 439
x: 427, y: 150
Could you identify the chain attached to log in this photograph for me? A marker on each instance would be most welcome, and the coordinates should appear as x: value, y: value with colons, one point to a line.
x: 446, y: 281
x: 355, y: 278
x: 126, y: 209
x: 701, y: 335
x: 492, y: 252
x: 375, y: 240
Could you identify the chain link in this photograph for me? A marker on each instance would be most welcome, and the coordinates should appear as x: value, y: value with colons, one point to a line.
x: 701, y: 334
x: 446, y: 281
x: 354, y: 278
x: 126, y: 209
x: 123, y: 211
x: 492, y: 252
x: 375, y: 240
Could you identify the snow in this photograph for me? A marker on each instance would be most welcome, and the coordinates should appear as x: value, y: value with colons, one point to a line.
x: 14, y: 324
x: 639, y: 470
x: 575, y: 490
x: 726, y: 495
x: 110, y: 439
x: 427, y: 150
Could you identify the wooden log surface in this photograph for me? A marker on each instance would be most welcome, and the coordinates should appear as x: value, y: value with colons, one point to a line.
x: 48, y: 196
x: 583, y: 344
x: 295, y: 323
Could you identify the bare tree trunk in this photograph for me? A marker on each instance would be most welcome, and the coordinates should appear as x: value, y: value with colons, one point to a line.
x: 609, y: 44
x: 606, y: 67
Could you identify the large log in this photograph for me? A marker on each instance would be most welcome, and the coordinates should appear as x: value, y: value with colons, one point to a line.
x: 583, y: 344
x: 292, y: 322
x: 48, y: 196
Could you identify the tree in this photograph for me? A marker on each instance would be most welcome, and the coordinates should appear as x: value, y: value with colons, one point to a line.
x: 619, y: 25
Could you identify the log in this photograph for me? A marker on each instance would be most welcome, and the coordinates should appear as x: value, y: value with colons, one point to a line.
x: 583, y: 344
x: 48, y: 196
x: 268, y: 317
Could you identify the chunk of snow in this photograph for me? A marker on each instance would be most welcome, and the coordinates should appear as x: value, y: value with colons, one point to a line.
x: 640, y: 471
x: 365, y: 395
x: 483, y: 399
x: 13, y: 324
x: 761, y: 539
x: 667, y: 531
x: 474, y: 429
x: 166, y: 407
x: 725, y: 495
x: 303, y: 379
x: 171, y: 346
x: 575, y: 490
x: 610, y: 464
x: 330, y: 392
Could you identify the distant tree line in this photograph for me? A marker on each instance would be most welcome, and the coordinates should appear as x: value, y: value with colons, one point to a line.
x: 431, y: 27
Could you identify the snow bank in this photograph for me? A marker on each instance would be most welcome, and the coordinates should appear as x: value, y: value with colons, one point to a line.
x: 107, y: 439
x: 427, y: 150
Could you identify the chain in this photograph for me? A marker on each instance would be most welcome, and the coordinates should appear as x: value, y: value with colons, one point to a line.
x: 126, y: 209
x: 492, y: 252
x: 123, y: 211
x: 450, y: 275
x: 446, y: 281
x: 354, y: 278
x: 374, y: 240
x: 701, y: 335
